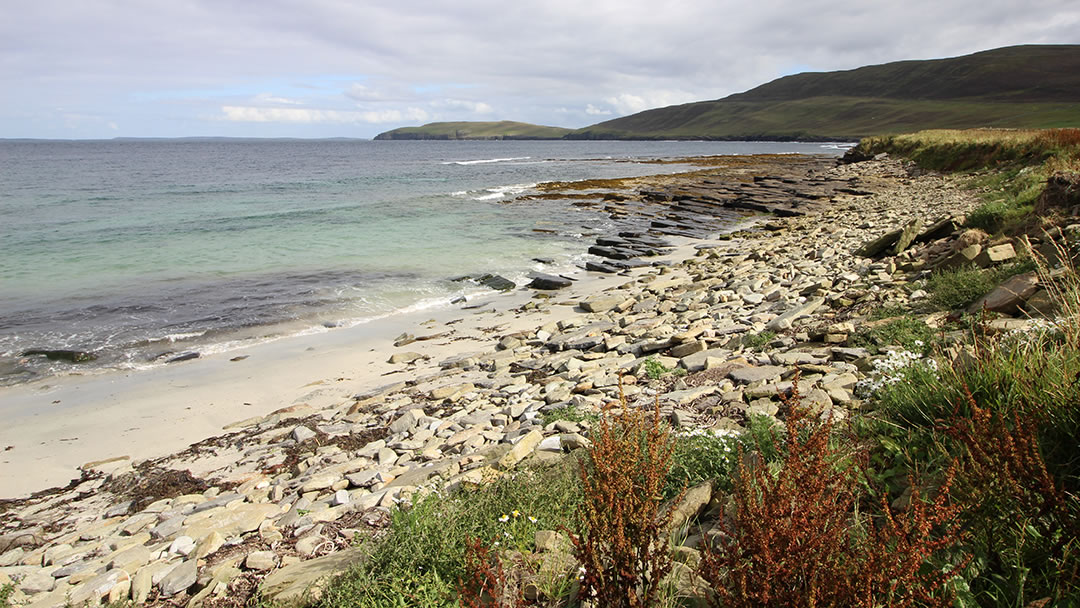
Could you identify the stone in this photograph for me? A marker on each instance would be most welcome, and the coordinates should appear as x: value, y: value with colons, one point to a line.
x: 407, y: 357
x: 306, y: 580
x: 180, y: 579
x: 37, y: 582
x: 11, y: 557
x: 692, y: 504
x: 547, y: 281
x: 209, y: 545
x: 696, y: 362
x: 406, y: 422
x: 907, y: 236
x: 260, y: 560
x: 183, y: 545
x: 799, y: 310
x: 1009, y: 296
x: 521, y: 449
x: 995, y: 255
x: 550, y: 444
x: 309, y: 544
x: 302, y: 434
x: 687, y: 396
x: 341, y: 497
x: 602, y: 302
x: 231, y: 522
x: 748, y: 374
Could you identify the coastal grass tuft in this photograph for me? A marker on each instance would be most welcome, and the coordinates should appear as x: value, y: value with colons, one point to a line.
x: 422, y: 557
x: 906, y: 331
x: 958, y: 288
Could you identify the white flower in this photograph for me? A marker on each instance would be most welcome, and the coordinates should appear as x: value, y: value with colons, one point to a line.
x: 504, y: 519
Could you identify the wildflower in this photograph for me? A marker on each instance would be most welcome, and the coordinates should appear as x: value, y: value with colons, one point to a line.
x: 533, y: 519
x: 515, y: 513
x: 504, y: 519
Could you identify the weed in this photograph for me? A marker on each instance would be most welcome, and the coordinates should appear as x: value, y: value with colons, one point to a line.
x: 623, y: 546
x: 5, y: 594
x: 701, y: 457
x: 570, y: 413
x: 906, y: 331
x: 799, y: 538
x: 487, y: 584
x: 758, y: 340
x: 958, y: 288
x: 1025, y: 522
x: 654, y: 369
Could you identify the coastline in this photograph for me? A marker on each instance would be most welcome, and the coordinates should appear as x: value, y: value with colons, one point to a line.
x: 334, y: 432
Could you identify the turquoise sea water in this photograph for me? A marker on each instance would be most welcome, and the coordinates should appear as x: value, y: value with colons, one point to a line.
x: 134, y: 249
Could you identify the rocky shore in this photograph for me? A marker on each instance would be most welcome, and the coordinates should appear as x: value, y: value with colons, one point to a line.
x: 275, y: 502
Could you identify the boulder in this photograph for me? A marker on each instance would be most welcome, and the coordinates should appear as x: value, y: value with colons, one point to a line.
x: 496, y: 282
x: 306, y: 580
x: 1007, y: 297
x: 71, y: 356
x: 548, y: 281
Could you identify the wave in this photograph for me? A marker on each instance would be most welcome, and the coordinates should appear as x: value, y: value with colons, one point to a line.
x: 485, y: 161
x: 491, y: 194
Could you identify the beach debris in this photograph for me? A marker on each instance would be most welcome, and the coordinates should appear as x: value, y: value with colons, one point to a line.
x: 71, y: 356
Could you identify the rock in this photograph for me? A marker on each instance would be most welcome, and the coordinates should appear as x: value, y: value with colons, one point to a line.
x: 521, y: 449
x: 686, y: 396
x: 305, y: 580
x: 260, y: 560
x: 231, y: 522
x: 692, y: 504
x: 209, y: 545
x: 183, y: 545
x: 37, y: 582
x: 995, y: 255
x: 407, y: 421
x: 183, y: 357
x: 71, y: 356
x: 11, y: 557
x: 309, y: 544
x: 408, y: 357
x: 28, y: 538
x: 1007, y: 297
x: 799, y: 310
x: 907, y: 236
x: 748, y: 374
x: 602, y: 302
x: 696, y: 362
x: 879, y: 245
x: 547, y: 281
x: 496, y: 282
x: 180, y: 579
x: 302, y: 434
x: 962, y: 257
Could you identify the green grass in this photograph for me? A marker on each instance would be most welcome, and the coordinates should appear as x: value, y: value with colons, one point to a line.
x: 5, y: 594
x: 654, y: 369
x: 570, y: 413
x: 958, y: 288
x: 421, y: 559
x: 758, y: 340
x: 476, y: 130
x: 906, y: 331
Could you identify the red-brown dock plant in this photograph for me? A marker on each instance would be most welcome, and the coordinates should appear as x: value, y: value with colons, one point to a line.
x: 489, y: 584
x: 798, y: 537
x: 623, y: 546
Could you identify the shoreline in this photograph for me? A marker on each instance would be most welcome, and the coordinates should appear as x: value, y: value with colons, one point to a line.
x: 336, y: 435
x: 56, y: 425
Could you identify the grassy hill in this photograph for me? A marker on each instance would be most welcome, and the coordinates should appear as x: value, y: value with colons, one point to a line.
x: 1032, y: 86
x: 476, y: 130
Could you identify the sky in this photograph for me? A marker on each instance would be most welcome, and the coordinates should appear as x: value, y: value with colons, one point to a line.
x: 354, y: 68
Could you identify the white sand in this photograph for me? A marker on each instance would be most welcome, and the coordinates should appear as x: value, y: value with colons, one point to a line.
x: 54, y: 426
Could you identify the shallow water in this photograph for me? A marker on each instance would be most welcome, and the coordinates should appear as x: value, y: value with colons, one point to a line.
x: 135, y: 249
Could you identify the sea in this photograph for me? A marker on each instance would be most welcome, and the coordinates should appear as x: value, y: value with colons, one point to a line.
x: 139, y: 251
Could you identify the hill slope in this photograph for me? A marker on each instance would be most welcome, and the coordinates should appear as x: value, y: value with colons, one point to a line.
x: 1020, y: 86
x: 476, y: 130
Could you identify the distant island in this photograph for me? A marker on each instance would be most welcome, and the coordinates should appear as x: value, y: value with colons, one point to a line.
x: 1029, y: 86
x: 505, y: 129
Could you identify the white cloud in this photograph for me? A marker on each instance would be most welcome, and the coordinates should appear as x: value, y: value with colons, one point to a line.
x: 313, y: 116
x: 592, y: 110
x: 273, y: 99
x: 476, y: 107
x: 629, y: 103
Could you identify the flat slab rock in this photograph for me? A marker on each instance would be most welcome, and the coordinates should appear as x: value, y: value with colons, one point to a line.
x: 304, y: 580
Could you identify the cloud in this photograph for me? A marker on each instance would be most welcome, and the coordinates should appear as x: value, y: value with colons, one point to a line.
x: 313, y: 116
x: 152, y: 67
x: 475, y: 107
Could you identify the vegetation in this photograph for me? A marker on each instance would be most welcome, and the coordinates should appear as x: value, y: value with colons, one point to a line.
x: 476, y: 130
x: 955, y: 484
x: 1018, y: 87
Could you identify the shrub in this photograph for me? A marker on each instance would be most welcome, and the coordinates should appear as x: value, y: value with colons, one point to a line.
x: 758, y: 340
x: 701, y: 457
x: 799, y: 537
x: 623, y: 546
x: 906, y: 331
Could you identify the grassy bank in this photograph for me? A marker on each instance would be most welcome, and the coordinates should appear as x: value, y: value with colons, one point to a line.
x: 954, y: 483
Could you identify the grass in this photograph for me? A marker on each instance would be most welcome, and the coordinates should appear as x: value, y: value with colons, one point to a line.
x: 654, y: 369
x: 422, y: 558
x: 958, y: 288
x: 758, y: 340
x: 5, y: 594
x: 476, y: 130
x: 570, y: 413
x: 907, y: 331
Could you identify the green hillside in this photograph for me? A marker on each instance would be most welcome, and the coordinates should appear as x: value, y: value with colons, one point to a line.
x: 1022, y: 86
x: 476, y: 130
